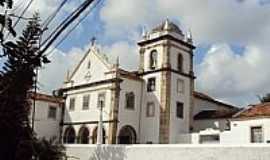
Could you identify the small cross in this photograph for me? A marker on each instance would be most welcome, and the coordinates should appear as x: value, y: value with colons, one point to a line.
x: 93, y: 41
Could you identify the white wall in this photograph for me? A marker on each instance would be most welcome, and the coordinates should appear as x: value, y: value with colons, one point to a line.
x: 130, y: 116
x: 240, y: 131
x: 169, y: 152
x: 44, y: 126
x: 150, y: 125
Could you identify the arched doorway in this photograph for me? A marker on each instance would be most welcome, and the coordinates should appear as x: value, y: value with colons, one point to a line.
x: 94, y: 136
x: 69, y: 136
x: 83, y: 137
x: 127, y: 135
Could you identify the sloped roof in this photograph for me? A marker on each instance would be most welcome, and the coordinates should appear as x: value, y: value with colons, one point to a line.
x: 206, y: 97
x: 95, y: 52
x: 255, y: 111
x: 215, y: 114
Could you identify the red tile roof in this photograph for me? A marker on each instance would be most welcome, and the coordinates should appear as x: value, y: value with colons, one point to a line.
x: 45, y: 97
x: 255, y: 111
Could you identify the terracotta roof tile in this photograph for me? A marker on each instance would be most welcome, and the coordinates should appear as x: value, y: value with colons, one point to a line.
x: 255, y: 111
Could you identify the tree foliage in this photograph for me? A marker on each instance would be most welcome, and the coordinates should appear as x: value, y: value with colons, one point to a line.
x: 48, y: 149
x: 265, y: 98
x: 5, y: 20
x: 16, y: 79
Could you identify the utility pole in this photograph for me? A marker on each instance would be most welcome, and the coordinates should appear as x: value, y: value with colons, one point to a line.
x: 100, y: 122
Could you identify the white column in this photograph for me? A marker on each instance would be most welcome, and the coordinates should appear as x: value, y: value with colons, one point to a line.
x: 100, y: 124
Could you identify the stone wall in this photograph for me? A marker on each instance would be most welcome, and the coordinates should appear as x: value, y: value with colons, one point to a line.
x: 169, y: 152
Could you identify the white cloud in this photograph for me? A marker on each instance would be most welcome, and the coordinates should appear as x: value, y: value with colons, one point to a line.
x: 223, y: 73
x: 210, y: 20
x: 52, y: 75
x: 128, y: 55
x: 227, y: 75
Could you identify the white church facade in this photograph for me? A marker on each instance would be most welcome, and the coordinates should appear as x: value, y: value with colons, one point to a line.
x: 155, y: 104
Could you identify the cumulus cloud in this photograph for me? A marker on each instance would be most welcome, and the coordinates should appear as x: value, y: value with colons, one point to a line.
x: 227, y: 75
x: 52, y: 75
x: 127, y: 54
x: 210, y: 20
x: 222, y: 73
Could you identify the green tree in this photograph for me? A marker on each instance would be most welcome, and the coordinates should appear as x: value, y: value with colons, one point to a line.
x: 49, y: 149
x: 16, y: 80
x: 265, y: 98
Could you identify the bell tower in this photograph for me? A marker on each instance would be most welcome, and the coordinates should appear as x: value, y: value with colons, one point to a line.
x: 166, y: 65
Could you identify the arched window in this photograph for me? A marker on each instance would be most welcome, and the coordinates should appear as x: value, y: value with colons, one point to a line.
x: 83, y: 136
x: 180, y: 62
x: 94, y: 136
x: 153, y: 59
x: 130, y: 100
x: 69, y: 136
x: 127, y: 135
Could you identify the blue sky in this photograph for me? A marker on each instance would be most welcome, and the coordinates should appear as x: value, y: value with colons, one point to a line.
x: 232, y: 39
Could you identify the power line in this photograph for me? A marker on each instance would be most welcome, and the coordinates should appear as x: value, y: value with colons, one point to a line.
x: 50, y: 18
x: 74, y: 27
x: 61, y: 24
x: 64, y: 25
x: 21, y: 15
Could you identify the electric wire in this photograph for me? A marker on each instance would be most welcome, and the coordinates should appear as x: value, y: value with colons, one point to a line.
x: 74, y: 27
x: 64, y: 25
x: 50, y: 18
x: 21, y: 15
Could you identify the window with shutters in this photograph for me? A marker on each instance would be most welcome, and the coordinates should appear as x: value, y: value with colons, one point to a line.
x: 52, y: 113
x: 130, y: 100
x: 86, y: 100
x: 256, y: 134
x: 72, y: 104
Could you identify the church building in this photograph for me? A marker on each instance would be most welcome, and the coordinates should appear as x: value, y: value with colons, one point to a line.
x: 155, y: 104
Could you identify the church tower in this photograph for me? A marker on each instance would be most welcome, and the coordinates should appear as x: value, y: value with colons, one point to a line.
x: 166, y: 65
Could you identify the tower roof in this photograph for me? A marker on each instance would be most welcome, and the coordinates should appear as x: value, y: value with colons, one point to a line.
x: 167, y: 26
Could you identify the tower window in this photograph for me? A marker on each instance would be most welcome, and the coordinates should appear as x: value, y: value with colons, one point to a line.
x: 150, y: 109
x: 153, y: 59
x: 180, y: 63
x: 151, y: 85
x: 180, y: 86
x: 130, y: 100
x: 179, y: 110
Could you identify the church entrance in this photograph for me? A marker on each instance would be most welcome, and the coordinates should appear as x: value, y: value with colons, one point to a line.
x: 127, y: 135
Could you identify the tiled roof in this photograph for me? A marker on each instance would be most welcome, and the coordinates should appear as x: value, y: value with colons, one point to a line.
x: 214, y: 114
x: 206, y: 97
x: 255, y: 111
x: 170, y: 26
x: 45, y: 97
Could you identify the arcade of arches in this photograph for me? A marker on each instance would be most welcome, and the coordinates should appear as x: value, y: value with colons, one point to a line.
x: 127, y: 135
